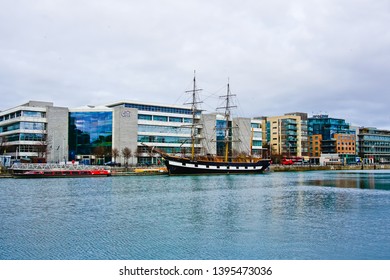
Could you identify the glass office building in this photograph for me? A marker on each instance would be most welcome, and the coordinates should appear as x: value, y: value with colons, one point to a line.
x: 328, y: 128
x: 90, y: 136
x: 374, y: 145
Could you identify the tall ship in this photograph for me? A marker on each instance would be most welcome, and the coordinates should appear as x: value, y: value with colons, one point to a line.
x: 212, y: 164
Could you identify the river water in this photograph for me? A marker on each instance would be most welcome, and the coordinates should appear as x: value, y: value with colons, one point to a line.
x: 298, y: 215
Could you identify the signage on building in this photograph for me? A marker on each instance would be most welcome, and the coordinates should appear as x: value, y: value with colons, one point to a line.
x: 126, y: 114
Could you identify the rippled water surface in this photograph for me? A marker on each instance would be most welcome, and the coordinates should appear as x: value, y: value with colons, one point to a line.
x: 308, y: 215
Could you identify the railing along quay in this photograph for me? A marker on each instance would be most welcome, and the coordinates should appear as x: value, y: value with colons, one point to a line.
x: 55, y: 166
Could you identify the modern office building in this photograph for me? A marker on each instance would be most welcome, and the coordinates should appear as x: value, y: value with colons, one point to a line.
x: 135, y: 126
x: 330, y: 136
x: 246, y: 136
x: 39, y: 131
x: 374, y: 145
x: 35, y: 131
x: 90, y: 134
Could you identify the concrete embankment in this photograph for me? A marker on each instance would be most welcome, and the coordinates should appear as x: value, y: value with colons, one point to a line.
x: 294, y: 168
x: 273, y: 168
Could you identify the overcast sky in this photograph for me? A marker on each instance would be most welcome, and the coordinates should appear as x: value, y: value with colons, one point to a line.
x: 314, y: 56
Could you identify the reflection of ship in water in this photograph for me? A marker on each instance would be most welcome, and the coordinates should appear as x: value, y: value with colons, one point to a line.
x: 358, y: 180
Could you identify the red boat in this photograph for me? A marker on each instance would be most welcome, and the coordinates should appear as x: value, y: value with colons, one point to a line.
x: 64, y: 171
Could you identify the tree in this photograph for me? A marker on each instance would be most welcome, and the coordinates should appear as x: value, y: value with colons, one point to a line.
x: 138, y: 153
x: 3, y: 145
x: 115, y: 153
x: 99, y: 151
x: 126, y: 153
x: 42, y: 148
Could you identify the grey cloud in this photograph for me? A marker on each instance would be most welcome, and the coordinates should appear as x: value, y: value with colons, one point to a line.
x: 314, y: 56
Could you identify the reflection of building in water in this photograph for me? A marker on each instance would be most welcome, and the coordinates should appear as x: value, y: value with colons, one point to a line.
x: 358, y: 180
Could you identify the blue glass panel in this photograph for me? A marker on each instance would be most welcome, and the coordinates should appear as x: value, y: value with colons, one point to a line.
x: 89, y: 130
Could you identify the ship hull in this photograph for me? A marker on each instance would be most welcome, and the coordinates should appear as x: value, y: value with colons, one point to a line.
x: 61, y: 174
x: 177, y: 166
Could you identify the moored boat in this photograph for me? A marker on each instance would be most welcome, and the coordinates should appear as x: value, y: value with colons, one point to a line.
x: 57, y: 171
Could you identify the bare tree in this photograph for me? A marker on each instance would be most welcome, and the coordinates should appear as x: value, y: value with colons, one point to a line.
x: 115, y: 153
x: 42, y: 148
x: 2, y: 145
x: 138, y: 153
x: 126, y: 153
x: 100, y: 152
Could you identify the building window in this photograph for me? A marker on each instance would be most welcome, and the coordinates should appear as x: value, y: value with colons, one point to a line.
x: 160, y: 118
x: 33, y: 114
x: 164, y: 129
x: 145, y: 117
x: 151, y: 108
x: 175, y: 119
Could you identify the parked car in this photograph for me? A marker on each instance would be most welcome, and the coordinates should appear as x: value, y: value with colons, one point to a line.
x: 112, y: 163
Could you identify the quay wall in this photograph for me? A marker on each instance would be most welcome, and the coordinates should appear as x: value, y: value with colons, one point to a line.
x: 4, y: 173
x: 292, y: 168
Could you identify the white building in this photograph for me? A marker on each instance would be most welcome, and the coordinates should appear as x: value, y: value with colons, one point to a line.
x: 34, y: 130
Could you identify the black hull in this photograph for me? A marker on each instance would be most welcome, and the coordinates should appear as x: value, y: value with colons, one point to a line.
x: 178, y: 166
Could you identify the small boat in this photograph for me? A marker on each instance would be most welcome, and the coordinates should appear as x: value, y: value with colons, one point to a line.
x: 212, y: 164
x: 158, y: 170
x: 57, y: 171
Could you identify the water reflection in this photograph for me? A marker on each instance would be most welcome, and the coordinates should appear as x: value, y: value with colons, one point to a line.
x: 275, y: 216
x: 359, y: 180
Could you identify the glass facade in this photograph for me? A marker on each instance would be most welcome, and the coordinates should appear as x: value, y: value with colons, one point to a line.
x: 17, y: 114
x: 34, y: 114
x: 220, y: 131
x: 289, y: 137
x: 152, y: 108
x: 374, y: 145
x: 163, y: 118
x: 327, y: 127
x: 163, y: 139
x: 145, y: 117
x: 164, y: 129
x: 90, y: 133
x: 257, y: 143
x: 160, y: 118
x: 23, y: 125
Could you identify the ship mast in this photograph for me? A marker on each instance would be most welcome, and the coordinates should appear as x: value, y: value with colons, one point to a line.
x: 194, y: 110
x: 228, y: 129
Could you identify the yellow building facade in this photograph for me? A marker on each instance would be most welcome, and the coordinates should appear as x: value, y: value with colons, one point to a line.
x: 284, y: 135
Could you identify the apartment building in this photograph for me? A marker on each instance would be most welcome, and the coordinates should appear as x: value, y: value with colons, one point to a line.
x: 284, y: 135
